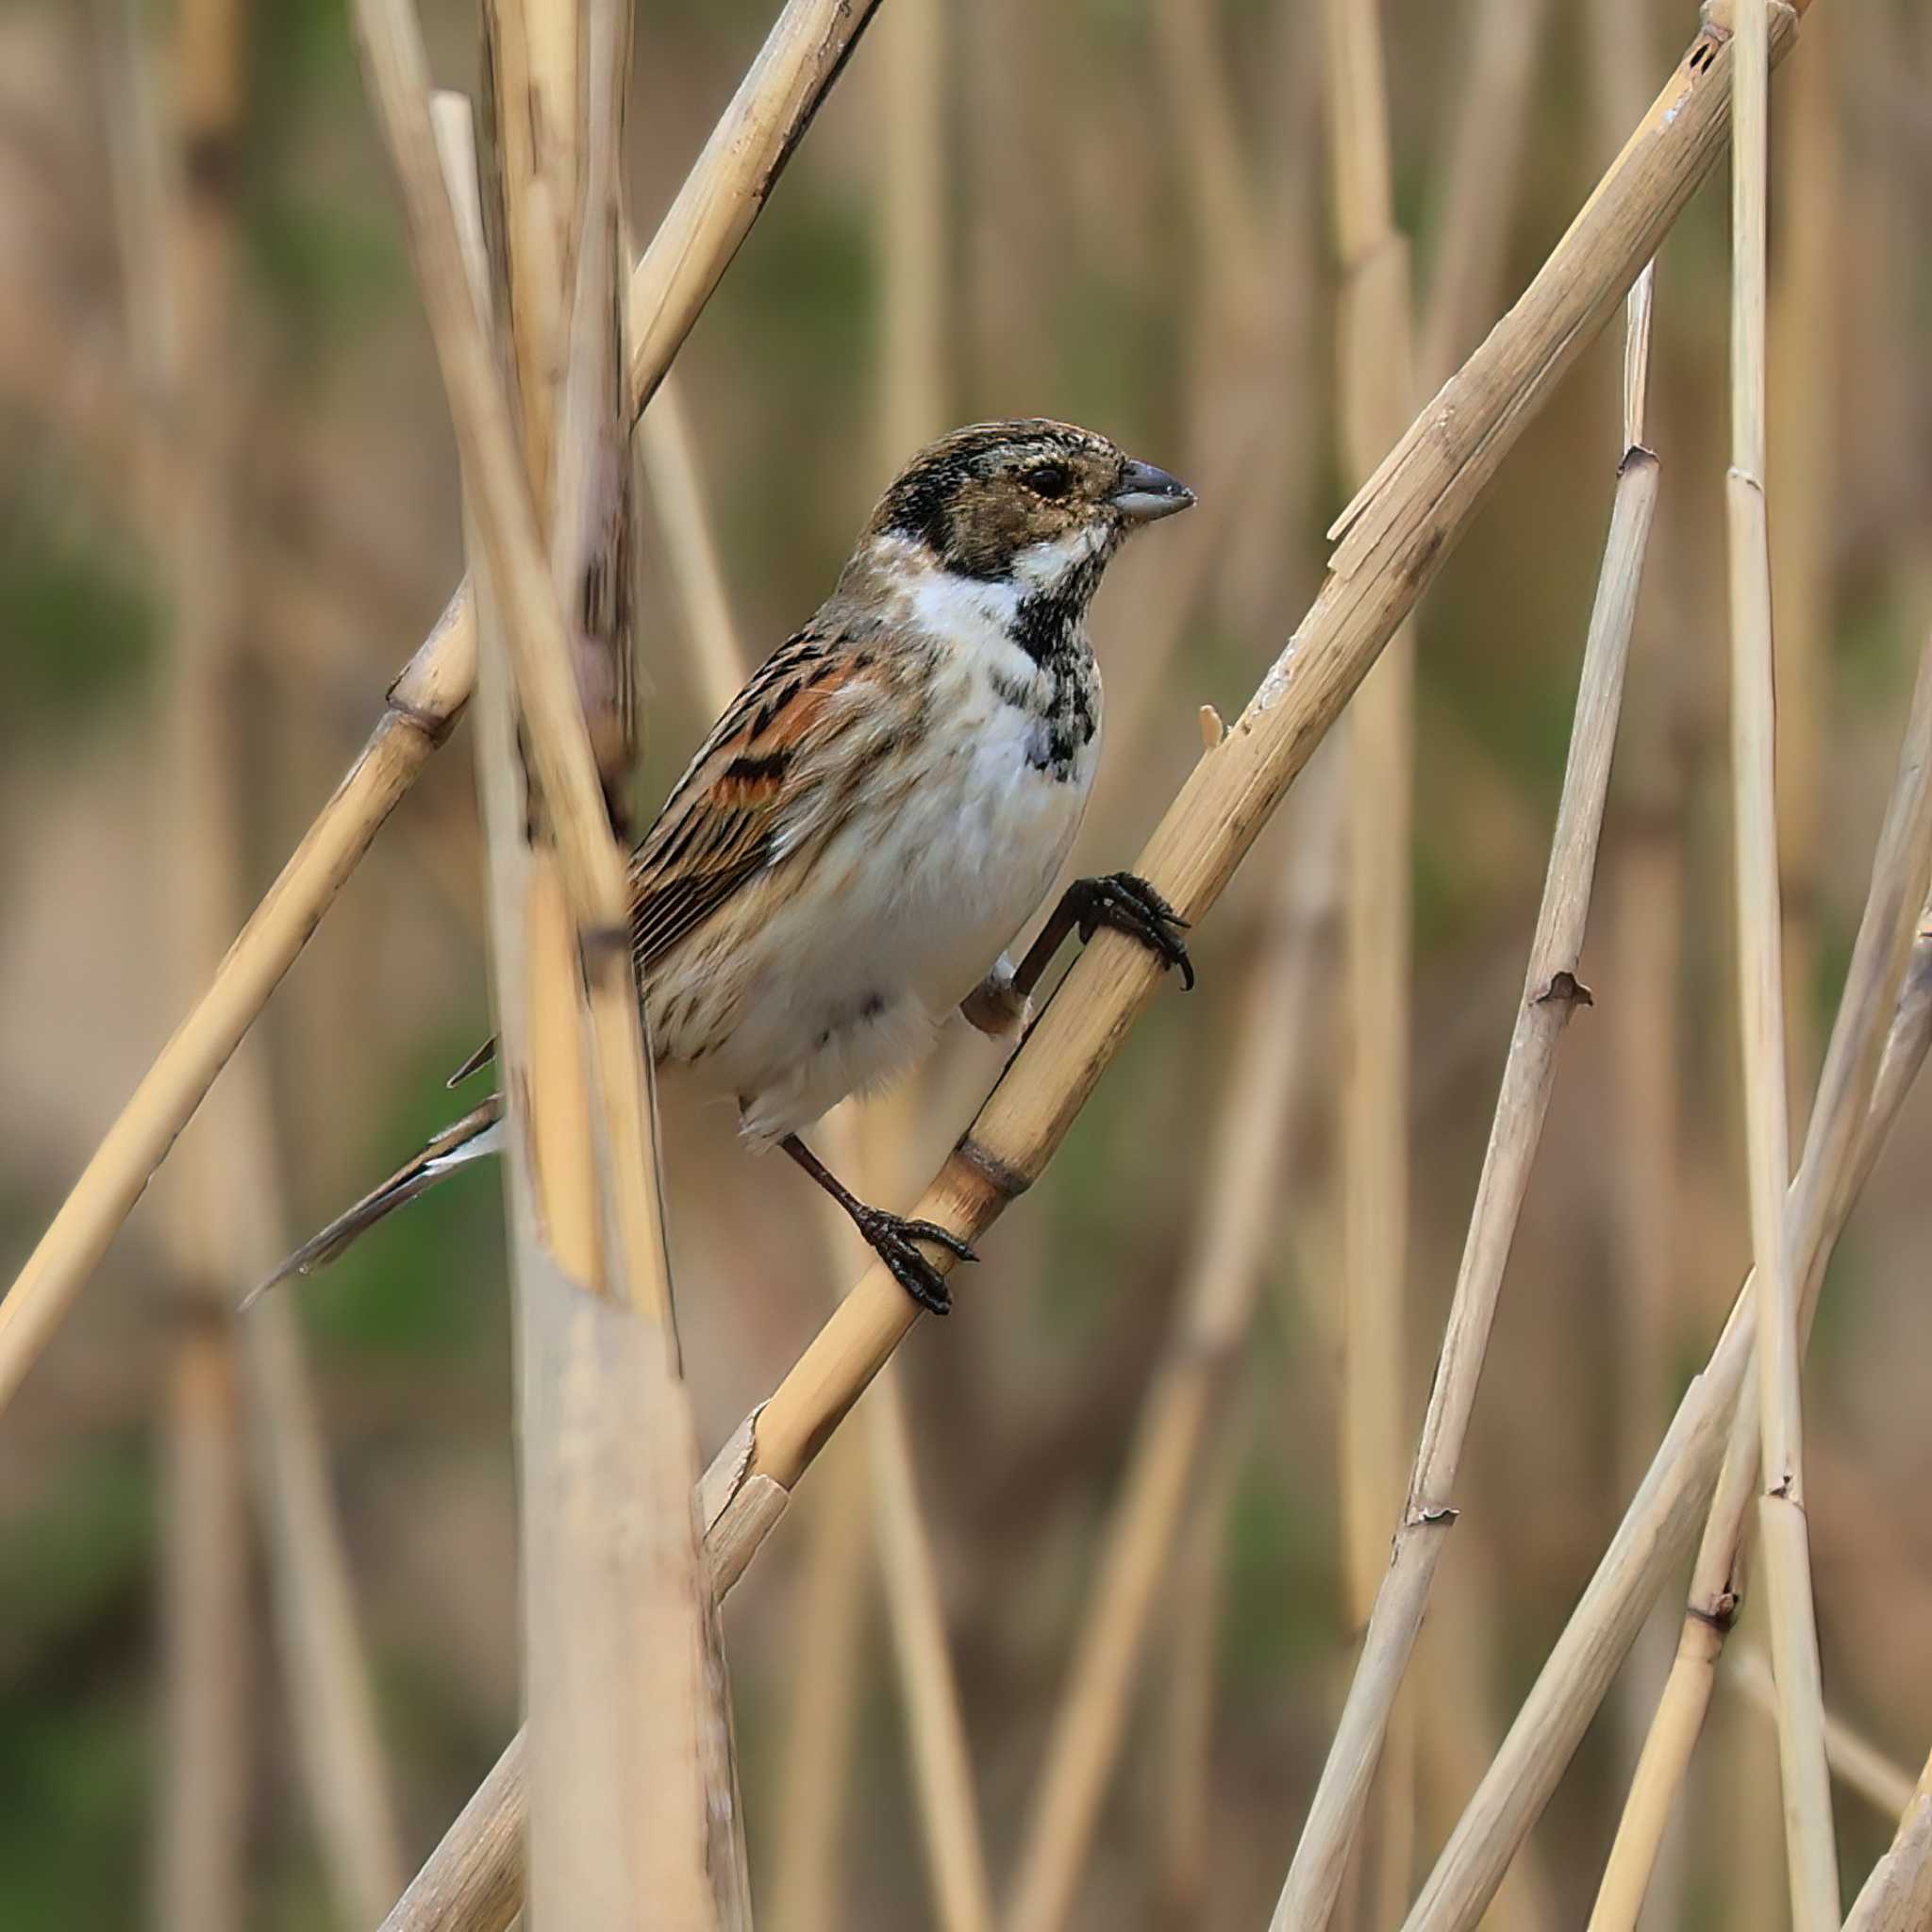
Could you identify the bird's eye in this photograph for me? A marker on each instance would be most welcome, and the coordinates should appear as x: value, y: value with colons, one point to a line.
x: 1049, y: 480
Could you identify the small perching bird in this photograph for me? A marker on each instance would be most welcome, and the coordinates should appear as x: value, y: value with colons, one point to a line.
x: 879, y: 812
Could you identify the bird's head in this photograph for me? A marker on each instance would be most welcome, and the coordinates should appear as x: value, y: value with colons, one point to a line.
x: 1032, y: 503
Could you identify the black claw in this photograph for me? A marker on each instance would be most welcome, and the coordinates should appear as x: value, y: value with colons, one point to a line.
x: 891, y: 1237
x: 1129, y: 905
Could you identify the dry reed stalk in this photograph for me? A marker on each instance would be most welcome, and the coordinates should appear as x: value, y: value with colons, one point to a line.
x: 1858, y: 1763
x: 633, y: 1806
x: 1802, y: 426
x: 183, y: 321
x: 1376, y: 379
x: 1391, y: 540
x: 1897, y: 1897
x: 814, y: 1775
x: 670, y: 453
x: 335, y: 1727
x: 206, y: 1626
x: 1184, y: 1758
x: 1552, y: 991
x: 1878, y: 1042
x: 1717, y: 1580
x: 1812, y: 1852
x: 713, y: 213
x: 1162, y: 1486
x: 935, y: 1723
x: 1457, y: 1661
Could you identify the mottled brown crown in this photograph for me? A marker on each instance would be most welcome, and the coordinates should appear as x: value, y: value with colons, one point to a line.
x: 981, y: 495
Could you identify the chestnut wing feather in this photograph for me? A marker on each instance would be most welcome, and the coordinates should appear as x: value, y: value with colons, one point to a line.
x: 753, y: 792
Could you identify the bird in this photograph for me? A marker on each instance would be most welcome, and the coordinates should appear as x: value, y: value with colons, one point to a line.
x: 853, y: 848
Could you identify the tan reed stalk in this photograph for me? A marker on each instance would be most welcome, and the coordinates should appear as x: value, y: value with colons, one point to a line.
x: 1803, y: 429
x: 1810, y: 1848
x: 935, y: 1720
x: 1717, y: 1580
x: 1456, y: 1662
x: 689, y: 551
x: 1478, y: 193
x: 1857, y: 1763
x: 1878, y: 1043
x: 1391, y: 540
x: 914, y: 229
x: 713, y: 213
x: 1377, y: 378
x: 334, y: 1730
x: 1897, y: 1897
x: 185, y: 324
x: 633, y: 1806
x: 1552, y: 991
x: 1162, y: 1486
x: 1184, y: 1759
x: 913, y: 233
x: 812, y: 1784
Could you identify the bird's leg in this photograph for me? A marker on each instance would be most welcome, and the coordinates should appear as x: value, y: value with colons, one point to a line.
x: 890, y: 1237
x: 1122, y: 900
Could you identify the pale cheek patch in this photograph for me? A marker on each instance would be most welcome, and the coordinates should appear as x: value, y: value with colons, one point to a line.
x: 1046, y: 566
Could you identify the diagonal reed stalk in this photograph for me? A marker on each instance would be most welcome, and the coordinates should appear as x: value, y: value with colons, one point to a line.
x: 1391, y: 540
x: 1183, y: 1406
x: 1878, y: 1042
x: 1552, y: 991
x: 1811, y: 1853
x: 726, y: 190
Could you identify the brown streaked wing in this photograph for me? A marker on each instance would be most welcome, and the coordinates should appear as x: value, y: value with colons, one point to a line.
x: 755, y: 779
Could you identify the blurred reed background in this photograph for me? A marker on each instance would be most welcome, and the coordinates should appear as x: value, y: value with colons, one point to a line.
x: 1061, y: 1637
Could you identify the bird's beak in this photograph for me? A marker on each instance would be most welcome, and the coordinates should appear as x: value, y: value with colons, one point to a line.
x: 1144, y: 493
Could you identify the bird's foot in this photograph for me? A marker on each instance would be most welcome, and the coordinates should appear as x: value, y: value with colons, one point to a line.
x: 891, y: 1237
x: 1129, y: 904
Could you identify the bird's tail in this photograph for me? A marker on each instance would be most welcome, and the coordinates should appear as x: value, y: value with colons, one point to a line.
x: 478, y: 1134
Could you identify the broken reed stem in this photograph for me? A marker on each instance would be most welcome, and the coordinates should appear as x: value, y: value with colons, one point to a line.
x: 1904, y: 854
x: 633, y: 1806
x: 1897, y: 1897
x: 1392, y: 539
x: 1877, y: 1044
x: 1162, y: 1486
x: 1551, y: 992
x: 729, y: 185
x: 1857, y: 1763
x: 1376, y: 379
x: 1811, y: 1853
